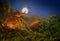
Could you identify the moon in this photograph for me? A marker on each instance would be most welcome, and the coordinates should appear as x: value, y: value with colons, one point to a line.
x: 25, y: 10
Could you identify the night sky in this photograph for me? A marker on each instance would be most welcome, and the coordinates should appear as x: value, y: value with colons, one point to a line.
x: 37, y: 7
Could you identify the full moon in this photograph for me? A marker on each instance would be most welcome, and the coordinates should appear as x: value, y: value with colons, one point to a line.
x: 25, y: 10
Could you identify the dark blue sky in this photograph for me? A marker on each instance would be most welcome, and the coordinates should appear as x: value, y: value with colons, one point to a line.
x: 38, y: 7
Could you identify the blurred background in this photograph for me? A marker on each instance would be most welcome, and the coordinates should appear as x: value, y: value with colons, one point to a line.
x: 42, y: 20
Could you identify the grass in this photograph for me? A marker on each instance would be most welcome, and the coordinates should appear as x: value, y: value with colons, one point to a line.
x: 47, y: 32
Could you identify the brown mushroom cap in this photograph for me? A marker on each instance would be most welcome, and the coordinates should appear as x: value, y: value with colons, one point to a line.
x: 35, y: 24
x: 14, y: 23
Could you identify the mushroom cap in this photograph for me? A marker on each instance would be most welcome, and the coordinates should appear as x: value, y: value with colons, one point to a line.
x: 14, y: 23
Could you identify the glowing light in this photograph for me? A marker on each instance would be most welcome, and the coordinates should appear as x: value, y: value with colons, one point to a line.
x: 25, y: 10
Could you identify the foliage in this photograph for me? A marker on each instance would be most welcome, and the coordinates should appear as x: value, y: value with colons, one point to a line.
x: 49, y: 31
